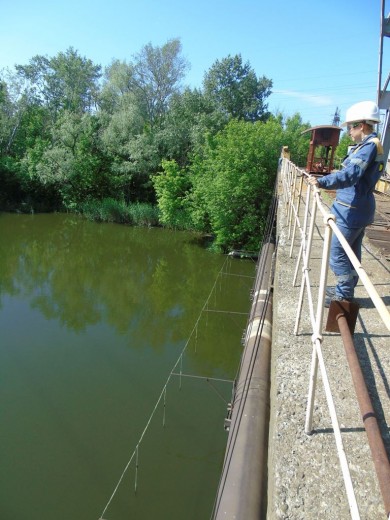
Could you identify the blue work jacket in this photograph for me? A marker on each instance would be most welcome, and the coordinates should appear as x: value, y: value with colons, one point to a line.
x: 355, y: 182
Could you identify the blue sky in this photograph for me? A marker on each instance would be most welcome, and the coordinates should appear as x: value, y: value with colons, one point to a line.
x: 319, y: 54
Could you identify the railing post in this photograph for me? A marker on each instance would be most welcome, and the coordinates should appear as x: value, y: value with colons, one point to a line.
x: 318, y: 326
x: 291, y: 196
x: 303, y: 237
x: 292, y: 218
x: 306, y: 251
x: 297, y: 213
x: 285, y: 179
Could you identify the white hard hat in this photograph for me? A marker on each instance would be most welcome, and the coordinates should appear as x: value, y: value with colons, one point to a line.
x: 366, y: 111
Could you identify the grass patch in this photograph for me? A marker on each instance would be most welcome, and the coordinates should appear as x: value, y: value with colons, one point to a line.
x: 111, y: 210
x: 144, y: 214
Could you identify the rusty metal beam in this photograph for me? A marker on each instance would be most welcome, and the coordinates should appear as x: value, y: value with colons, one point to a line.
x: 378, y: 451
x: 242, y: 488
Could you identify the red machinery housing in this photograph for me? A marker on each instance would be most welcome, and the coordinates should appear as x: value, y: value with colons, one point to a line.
x: 323, y: 144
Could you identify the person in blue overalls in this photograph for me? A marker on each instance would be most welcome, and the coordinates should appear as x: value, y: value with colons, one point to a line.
x: 354, y: 206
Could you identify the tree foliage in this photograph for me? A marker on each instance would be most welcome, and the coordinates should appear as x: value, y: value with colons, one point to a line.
x: 72, y: 138
x: 234, y: 182
x: 235, y: 89
x: 172, y: 186
x: 158, y: 72
x: 66, y: 81
x: 297, y: 141
x: 342, y: 149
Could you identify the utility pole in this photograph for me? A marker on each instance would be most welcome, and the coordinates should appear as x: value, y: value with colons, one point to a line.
x: 383, y: 91
x: 336, y: 118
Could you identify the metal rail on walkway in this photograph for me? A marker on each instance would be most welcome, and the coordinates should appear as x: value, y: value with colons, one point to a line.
x: 295, y: 192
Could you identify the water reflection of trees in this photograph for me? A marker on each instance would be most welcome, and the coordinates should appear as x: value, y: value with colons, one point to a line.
x: 148, y: 284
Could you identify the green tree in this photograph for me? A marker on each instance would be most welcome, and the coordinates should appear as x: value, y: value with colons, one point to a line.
x: 297, y: 141
x: 20, y: 117
x: 64, y: 82
x: 234, y: 182
x: 172, y: 186
x: 21, y: 123
x: 189, y: 119
x: 71, y: 163
x: 342, y: 149
x: 158, y: 72
x: 136, y: 98
x: 6, y: 112
x: 117, y: 90
x: 148, y: 82
x: 236, y: 90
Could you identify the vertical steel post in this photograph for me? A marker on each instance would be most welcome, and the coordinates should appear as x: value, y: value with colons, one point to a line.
x: 290, y: 213
x: 292, y: 219
x: 297, y: 213
x: 303, y: 236
x: 318, y: 327
x: 306, y: 258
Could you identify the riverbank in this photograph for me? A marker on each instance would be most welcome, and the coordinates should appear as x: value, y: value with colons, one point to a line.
x: 304, y: 475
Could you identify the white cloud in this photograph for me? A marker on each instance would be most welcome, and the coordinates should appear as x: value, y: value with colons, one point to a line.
x: 313, y: 99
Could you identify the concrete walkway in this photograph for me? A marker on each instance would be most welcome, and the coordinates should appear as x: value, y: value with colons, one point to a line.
x: 305, y: 478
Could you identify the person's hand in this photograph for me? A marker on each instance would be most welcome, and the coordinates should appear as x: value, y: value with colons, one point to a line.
x: 313, y: 181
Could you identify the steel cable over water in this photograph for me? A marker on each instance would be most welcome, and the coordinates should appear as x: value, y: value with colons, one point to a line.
x: 162, y: 396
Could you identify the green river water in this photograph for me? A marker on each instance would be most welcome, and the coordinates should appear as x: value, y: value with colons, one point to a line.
x: 93, y: 318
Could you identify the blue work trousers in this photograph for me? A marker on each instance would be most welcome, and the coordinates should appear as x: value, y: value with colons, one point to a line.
x: 340, y: 264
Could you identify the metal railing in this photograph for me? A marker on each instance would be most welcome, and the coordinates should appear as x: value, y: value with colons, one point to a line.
x: 303, y: 221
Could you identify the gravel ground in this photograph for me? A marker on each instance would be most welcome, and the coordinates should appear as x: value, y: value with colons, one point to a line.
x: 305, y: 478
